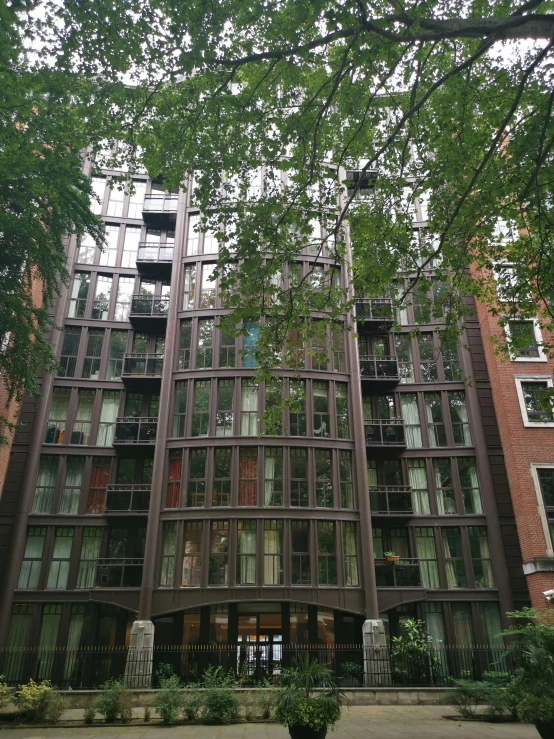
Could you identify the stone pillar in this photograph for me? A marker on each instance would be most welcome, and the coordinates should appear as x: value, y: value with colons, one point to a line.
x: 138, y: 670
x: 376, y: 654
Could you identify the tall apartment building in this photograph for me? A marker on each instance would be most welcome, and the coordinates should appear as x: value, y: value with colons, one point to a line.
x: 143, y: 490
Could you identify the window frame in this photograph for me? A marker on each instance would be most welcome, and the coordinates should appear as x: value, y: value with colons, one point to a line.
x: 519, y: 379
x: 538, y: 338
x: 541, y: 507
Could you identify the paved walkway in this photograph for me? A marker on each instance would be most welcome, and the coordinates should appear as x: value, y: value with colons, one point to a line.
x: 359, y: 722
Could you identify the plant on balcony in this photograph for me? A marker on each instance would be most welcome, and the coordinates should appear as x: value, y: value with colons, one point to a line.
x: 533, y: 687
x: 308, y: 715
x: 413, y: 656
x: 392, y: 556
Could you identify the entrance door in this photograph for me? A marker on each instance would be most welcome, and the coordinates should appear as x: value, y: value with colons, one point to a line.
x: 260, y: 639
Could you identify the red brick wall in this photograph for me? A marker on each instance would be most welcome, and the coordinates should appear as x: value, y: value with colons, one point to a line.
x: 522, y: 446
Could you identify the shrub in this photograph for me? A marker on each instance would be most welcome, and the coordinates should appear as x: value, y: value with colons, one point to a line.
x: 352, y: 671
x: 192, y: 702
x: 248, y: 703
x: 5, y: 692
x: 216, y: 677
x: 221, y: 706
x: 114, y: 700
x: 169, y: 699
x: 90, y: 714
x: 57, y: 704
x: 469, y: 694
x: 265, y: 703
x: 33, y: 699
x: 535, y: 710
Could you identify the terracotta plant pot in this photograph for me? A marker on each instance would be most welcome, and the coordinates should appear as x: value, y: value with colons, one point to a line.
x: 393, y: 558
x: 304, y: 732
x: 546, y: 730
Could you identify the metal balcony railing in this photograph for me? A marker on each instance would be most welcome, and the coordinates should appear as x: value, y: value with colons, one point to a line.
x: 388, y: 432
x: 402, y: 574
x: 374, y: 309
x: 162, y: 203
x: 391, y: 500
x: 127, y: 498
x: 379, y: 368
x: 119, y: 572
x: 154, y: 252
x: 135, y: 430
x: 142, y: 365
x: 149, y: 306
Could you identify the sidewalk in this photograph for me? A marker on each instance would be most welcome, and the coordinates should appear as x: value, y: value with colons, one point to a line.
x: 359, y: 722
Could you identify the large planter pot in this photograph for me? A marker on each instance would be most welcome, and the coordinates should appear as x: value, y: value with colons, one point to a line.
x: 305, y: 732
x: 546, y: 730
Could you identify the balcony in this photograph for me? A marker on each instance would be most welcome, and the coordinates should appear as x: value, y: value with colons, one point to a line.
x: 149, y: 311
x: 374, y: 313
x: 127, y: 499
x: 160, y: 209
x: 402, y: 574
x: 135, y: 431
x: 119, y: 572
x: 385, y: 433
x: 144, y: 370
x: 381, y: 370
x: 155, y: 259
x: 391, y: 500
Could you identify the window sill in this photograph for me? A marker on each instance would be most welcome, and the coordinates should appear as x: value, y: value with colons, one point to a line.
x: 539, y: 564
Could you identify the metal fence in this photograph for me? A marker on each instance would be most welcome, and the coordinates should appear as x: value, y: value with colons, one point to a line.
x: 254, y: 663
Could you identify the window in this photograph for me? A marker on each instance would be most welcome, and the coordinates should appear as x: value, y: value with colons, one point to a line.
x: 250, y: 345
x: 201, y: 408
x: 208, y: 287
x: 193, y: 237
x: 108, y: 416
x: 79, y: 295
x: 273, y: 552
x: 91, y: 365
x: 101, y: 302
x: 435, y: 420
x: 118, y: 344
x: 417, y: 477
x: 459, y: 419
x: 297, y: 408
x: 319, y: 351
x: 337, y: 341
x: 59, y: 564
x: 130, y: 246
x: 323, y: 479
x: 124, y: 297
x: 70, y: 349
x: 326, y: 559
x: 535, y: 401
x: 248, y: 474
x: 196, y: 490
x: 273, y: 407
x: 300, y: 540
x: 221, y: 495
x: 525, y: 340
x: 350, y: 553
x: 98, y: 189
x: 341, y: 399
x: 115, y: 200
x: 470, y: 485
x: 299, y: 477
x: 450, y: 360
x: 412, y: 426
x: 83, y: 417
x: 136, y: 199
x: 480, y: 557
x: 455, y: 568
x: 44, y: 490
x: 427, y: 554
x: 404, y: 355
x: 90, y: 550
x: 169, y: 548
x: 179, y: 409
x: 32, y: 558
x: 273, y: 483
x: 427, y: 358
x: 71, y: 491
x: 227, y: 351
x: 98, y: 483
x: 204, y: 348
x: 446, y: 501
x: 321, y: 409
x: 545, y: 477
x: 189, y: 289
x: 173, y: 492
x: 55, y: 428
x: 249, y: 408
x: 184, y: 345
x: 345, y: 476
x: 192, y: 548
x: 219, y: 553
x: 246, y: 552
x: 108, y: 250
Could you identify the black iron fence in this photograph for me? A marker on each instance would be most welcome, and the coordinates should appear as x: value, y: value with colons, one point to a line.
x: 258, y: 663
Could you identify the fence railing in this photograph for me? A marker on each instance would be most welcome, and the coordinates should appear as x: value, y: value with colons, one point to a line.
x: 130, y: 430
x: 149, y: 306
x: 379, y: 368
x: 388, y: 432
x: 127, y: 499
x: 161, y: 203
x: 402, y: 574
x: 391, y: 499
x: 142, y: 365
x: 374, y: 309
x: 251, y: 663
x: 154, y: 252
x: 119, y: 572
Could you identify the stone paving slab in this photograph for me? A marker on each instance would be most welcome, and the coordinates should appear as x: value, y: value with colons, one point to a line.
x: 359, y: 722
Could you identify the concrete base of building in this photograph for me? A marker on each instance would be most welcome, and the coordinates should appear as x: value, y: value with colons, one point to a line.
x: 138, y: 670
x: 376, y: 654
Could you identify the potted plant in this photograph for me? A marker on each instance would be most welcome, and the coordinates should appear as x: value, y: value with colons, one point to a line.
x: 307, y: 713
x: 392, y: 556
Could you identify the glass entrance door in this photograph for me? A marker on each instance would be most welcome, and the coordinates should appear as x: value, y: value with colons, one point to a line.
x: 260, y: 639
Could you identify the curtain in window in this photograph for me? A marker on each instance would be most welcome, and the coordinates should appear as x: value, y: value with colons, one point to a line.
x: 247, y: 546
x: 59, y: 566
x: 169, y: 544
x: 90, y: 549
x: 417, y: 476
x: 410, y: 414
x: 470, y: 485
x: 45, y: 484
x: 451, y: 579
x: 350, y: 554
x: 173, y: 483
x: 485, y: 562
x: 446, y: 503
x: 270, y: 467
x: 249, y: 408
x: 427, y: 554
x: 72, y: 489
x: 108, y: 415
x: 248, y: 474
x: 461, y: 616
x: 73, y: 642
x: 434, y: 621
x: 272, y: 564
x: 474, y: 482
x: 47, y: 640
x: 458, y: 414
